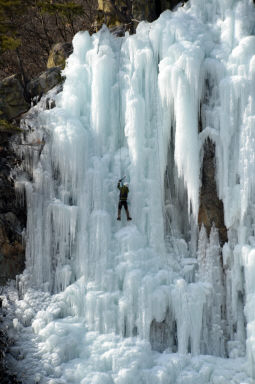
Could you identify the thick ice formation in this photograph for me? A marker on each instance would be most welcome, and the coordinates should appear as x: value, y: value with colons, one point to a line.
x: 133, y: 106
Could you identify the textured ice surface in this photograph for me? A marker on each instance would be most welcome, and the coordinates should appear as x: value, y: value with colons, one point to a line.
x: 60, y: 349
x: 120, y: 293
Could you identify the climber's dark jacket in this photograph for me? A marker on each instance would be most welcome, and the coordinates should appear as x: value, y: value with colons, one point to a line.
x: 123, y: 192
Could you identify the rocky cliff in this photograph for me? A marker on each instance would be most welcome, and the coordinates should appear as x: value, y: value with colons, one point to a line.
x: 126, y: 14
x: 12, y: 213
x: 15, y: 100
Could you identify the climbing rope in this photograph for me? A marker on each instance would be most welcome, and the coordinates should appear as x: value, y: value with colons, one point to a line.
x: 120, y: 105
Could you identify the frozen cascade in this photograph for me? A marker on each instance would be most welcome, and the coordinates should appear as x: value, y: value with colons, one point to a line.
x: 102, y: 298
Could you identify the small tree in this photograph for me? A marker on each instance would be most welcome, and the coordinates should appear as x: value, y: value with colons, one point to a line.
x: 29, y: 28
x: 7, y: 29
x: 65, y: 13
x: 10, y: 10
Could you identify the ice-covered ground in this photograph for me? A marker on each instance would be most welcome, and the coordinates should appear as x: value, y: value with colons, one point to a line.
x: 59, y: 349
x: 145, y: 302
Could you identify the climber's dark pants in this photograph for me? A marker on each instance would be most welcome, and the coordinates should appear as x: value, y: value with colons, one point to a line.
x: 122, y: 203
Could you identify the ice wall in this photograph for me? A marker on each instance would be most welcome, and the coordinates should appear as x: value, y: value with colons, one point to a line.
x: 133, y: 106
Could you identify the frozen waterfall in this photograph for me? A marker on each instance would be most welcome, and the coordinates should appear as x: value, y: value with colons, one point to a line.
x: 101, y: 299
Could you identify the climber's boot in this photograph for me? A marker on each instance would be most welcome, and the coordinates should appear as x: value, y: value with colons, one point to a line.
x: 118, y: 218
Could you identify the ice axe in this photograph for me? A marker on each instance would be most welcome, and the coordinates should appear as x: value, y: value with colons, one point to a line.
x: 121, y: 180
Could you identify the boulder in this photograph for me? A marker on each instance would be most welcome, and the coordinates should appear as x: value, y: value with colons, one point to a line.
x: 46, y: 81
x: 58, y: 55
x: 12, y: 100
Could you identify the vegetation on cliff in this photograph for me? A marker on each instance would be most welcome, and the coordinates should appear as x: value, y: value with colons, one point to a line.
x: 29, y: 29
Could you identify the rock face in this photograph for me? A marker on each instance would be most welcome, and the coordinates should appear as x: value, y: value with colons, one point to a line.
x: 12, y: 100
x: 12, y: 214
x: 211, y: 209
x: 46, y: 81
x: 58, y: 55
x: 112, y: 13
x: 151, y: 10
x: 117, y: 12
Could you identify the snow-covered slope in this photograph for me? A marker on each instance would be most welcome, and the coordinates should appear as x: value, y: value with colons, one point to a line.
x: 103, y: 297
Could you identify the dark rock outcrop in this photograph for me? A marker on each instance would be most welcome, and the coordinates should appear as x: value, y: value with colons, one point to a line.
x: 46, y: 81
x: 117, y: 13
x: 12, y: 99
x: 163, y: 335
x: 151, y: 10
x: 211, y: 210
x: 12, y: 214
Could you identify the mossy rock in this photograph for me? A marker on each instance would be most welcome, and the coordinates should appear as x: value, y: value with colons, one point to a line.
x: 12, y: 100
x: 105, y: 6
x: 58, y: 55
x: 106, y: 14
x: 7, y: 127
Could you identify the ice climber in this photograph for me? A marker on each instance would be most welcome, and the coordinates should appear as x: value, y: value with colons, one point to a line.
x: 123, y: 199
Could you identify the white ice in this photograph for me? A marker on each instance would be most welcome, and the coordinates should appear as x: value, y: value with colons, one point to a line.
x: 146, y: 301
